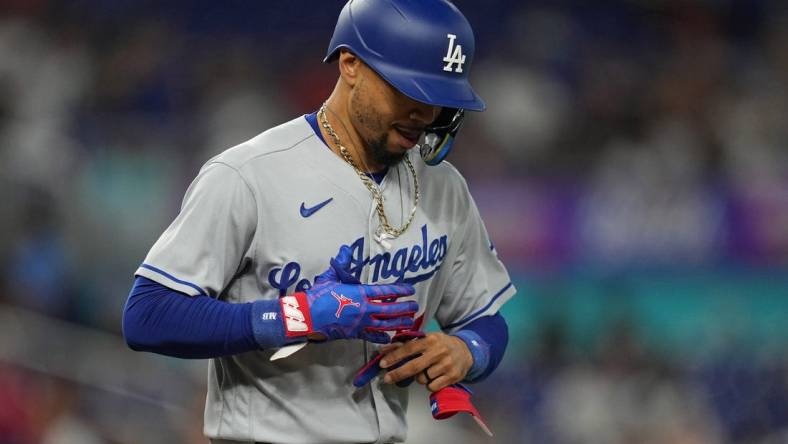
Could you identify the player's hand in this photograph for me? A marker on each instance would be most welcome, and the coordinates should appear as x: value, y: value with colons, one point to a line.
x: 339, y: 307
x: 437, y: 360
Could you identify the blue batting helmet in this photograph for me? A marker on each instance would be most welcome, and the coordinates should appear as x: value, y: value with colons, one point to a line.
x: 424, y: 48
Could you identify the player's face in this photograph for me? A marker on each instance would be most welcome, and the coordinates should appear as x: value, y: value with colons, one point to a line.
x: 388, y: 122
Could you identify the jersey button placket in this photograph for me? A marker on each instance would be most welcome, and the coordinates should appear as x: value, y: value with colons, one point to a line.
x: 373, y: 271
x: 373, y: 248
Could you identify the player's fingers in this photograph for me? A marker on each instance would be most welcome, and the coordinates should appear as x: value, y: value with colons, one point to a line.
x: 387, y: 315
x: 405, y: 382
x: 443, y: 373
x: 329, y: 275
x: 390, y: 324
x: 407, y: 350
x: 343, y: 257
x: 388, y: 291
x: 393, y: 309
x: 341, y: 266
x: 439, y: 383
x: 442, y: 368
x: 389, y: 347
x: 411, y: 368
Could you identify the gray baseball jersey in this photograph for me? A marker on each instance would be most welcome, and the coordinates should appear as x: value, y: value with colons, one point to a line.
x: 262, y: 219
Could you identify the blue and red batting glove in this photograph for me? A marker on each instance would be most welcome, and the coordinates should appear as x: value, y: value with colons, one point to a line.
x: 339, y: 307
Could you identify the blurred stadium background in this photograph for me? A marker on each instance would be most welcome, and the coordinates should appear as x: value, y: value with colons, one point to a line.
x: 632, y: 169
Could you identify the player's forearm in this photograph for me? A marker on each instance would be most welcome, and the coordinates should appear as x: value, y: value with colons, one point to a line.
x: 160, y: 320
x: 491, y: 336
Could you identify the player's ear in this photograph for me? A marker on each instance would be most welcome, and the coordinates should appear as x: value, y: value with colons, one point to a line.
x: 349, y: 66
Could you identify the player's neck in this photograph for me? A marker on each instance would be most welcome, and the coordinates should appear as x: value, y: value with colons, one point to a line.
x: 339, y: 119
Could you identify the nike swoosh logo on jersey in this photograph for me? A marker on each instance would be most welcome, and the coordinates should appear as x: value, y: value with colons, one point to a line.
x: 306, y: 212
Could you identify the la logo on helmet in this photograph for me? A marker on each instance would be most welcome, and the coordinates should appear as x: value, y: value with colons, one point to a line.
x: 453, y: 55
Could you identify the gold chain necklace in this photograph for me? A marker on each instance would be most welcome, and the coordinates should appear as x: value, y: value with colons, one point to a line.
x: 385, y: 230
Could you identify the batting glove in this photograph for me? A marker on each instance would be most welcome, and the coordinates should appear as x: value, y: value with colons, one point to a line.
x: 339, y: 307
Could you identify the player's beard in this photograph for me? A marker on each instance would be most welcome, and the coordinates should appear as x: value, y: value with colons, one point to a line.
x: 378, y: 151
x: 367, y: 116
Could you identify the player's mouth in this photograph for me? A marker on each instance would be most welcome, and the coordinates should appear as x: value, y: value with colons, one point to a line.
x: 409, y: 135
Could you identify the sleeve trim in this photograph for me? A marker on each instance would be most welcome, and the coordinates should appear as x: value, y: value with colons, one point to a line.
x: 481, y: 310
x: 199, y: 290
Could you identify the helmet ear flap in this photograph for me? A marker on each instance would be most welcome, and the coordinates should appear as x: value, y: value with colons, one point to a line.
x: 438, y: 138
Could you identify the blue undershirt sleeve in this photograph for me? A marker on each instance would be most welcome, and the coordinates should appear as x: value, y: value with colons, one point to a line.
x: 161, y: 320
x: 486, y: 338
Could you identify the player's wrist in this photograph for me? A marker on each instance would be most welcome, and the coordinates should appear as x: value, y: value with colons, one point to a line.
x: 479, y: 350
x: 268, y: 325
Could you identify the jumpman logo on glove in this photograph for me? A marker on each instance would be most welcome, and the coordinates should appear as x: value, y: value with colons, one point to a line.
x: 344, y: 301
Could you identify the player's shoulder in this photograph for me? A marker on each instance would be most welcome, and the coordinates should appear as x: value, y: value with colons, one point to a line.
x: 446, y: 177
x: 279, y: 139
x: 444, y: 191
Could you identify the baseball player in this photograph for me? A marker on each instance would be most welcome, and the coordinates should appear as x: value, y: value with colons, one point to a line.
x: 297, y: 255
